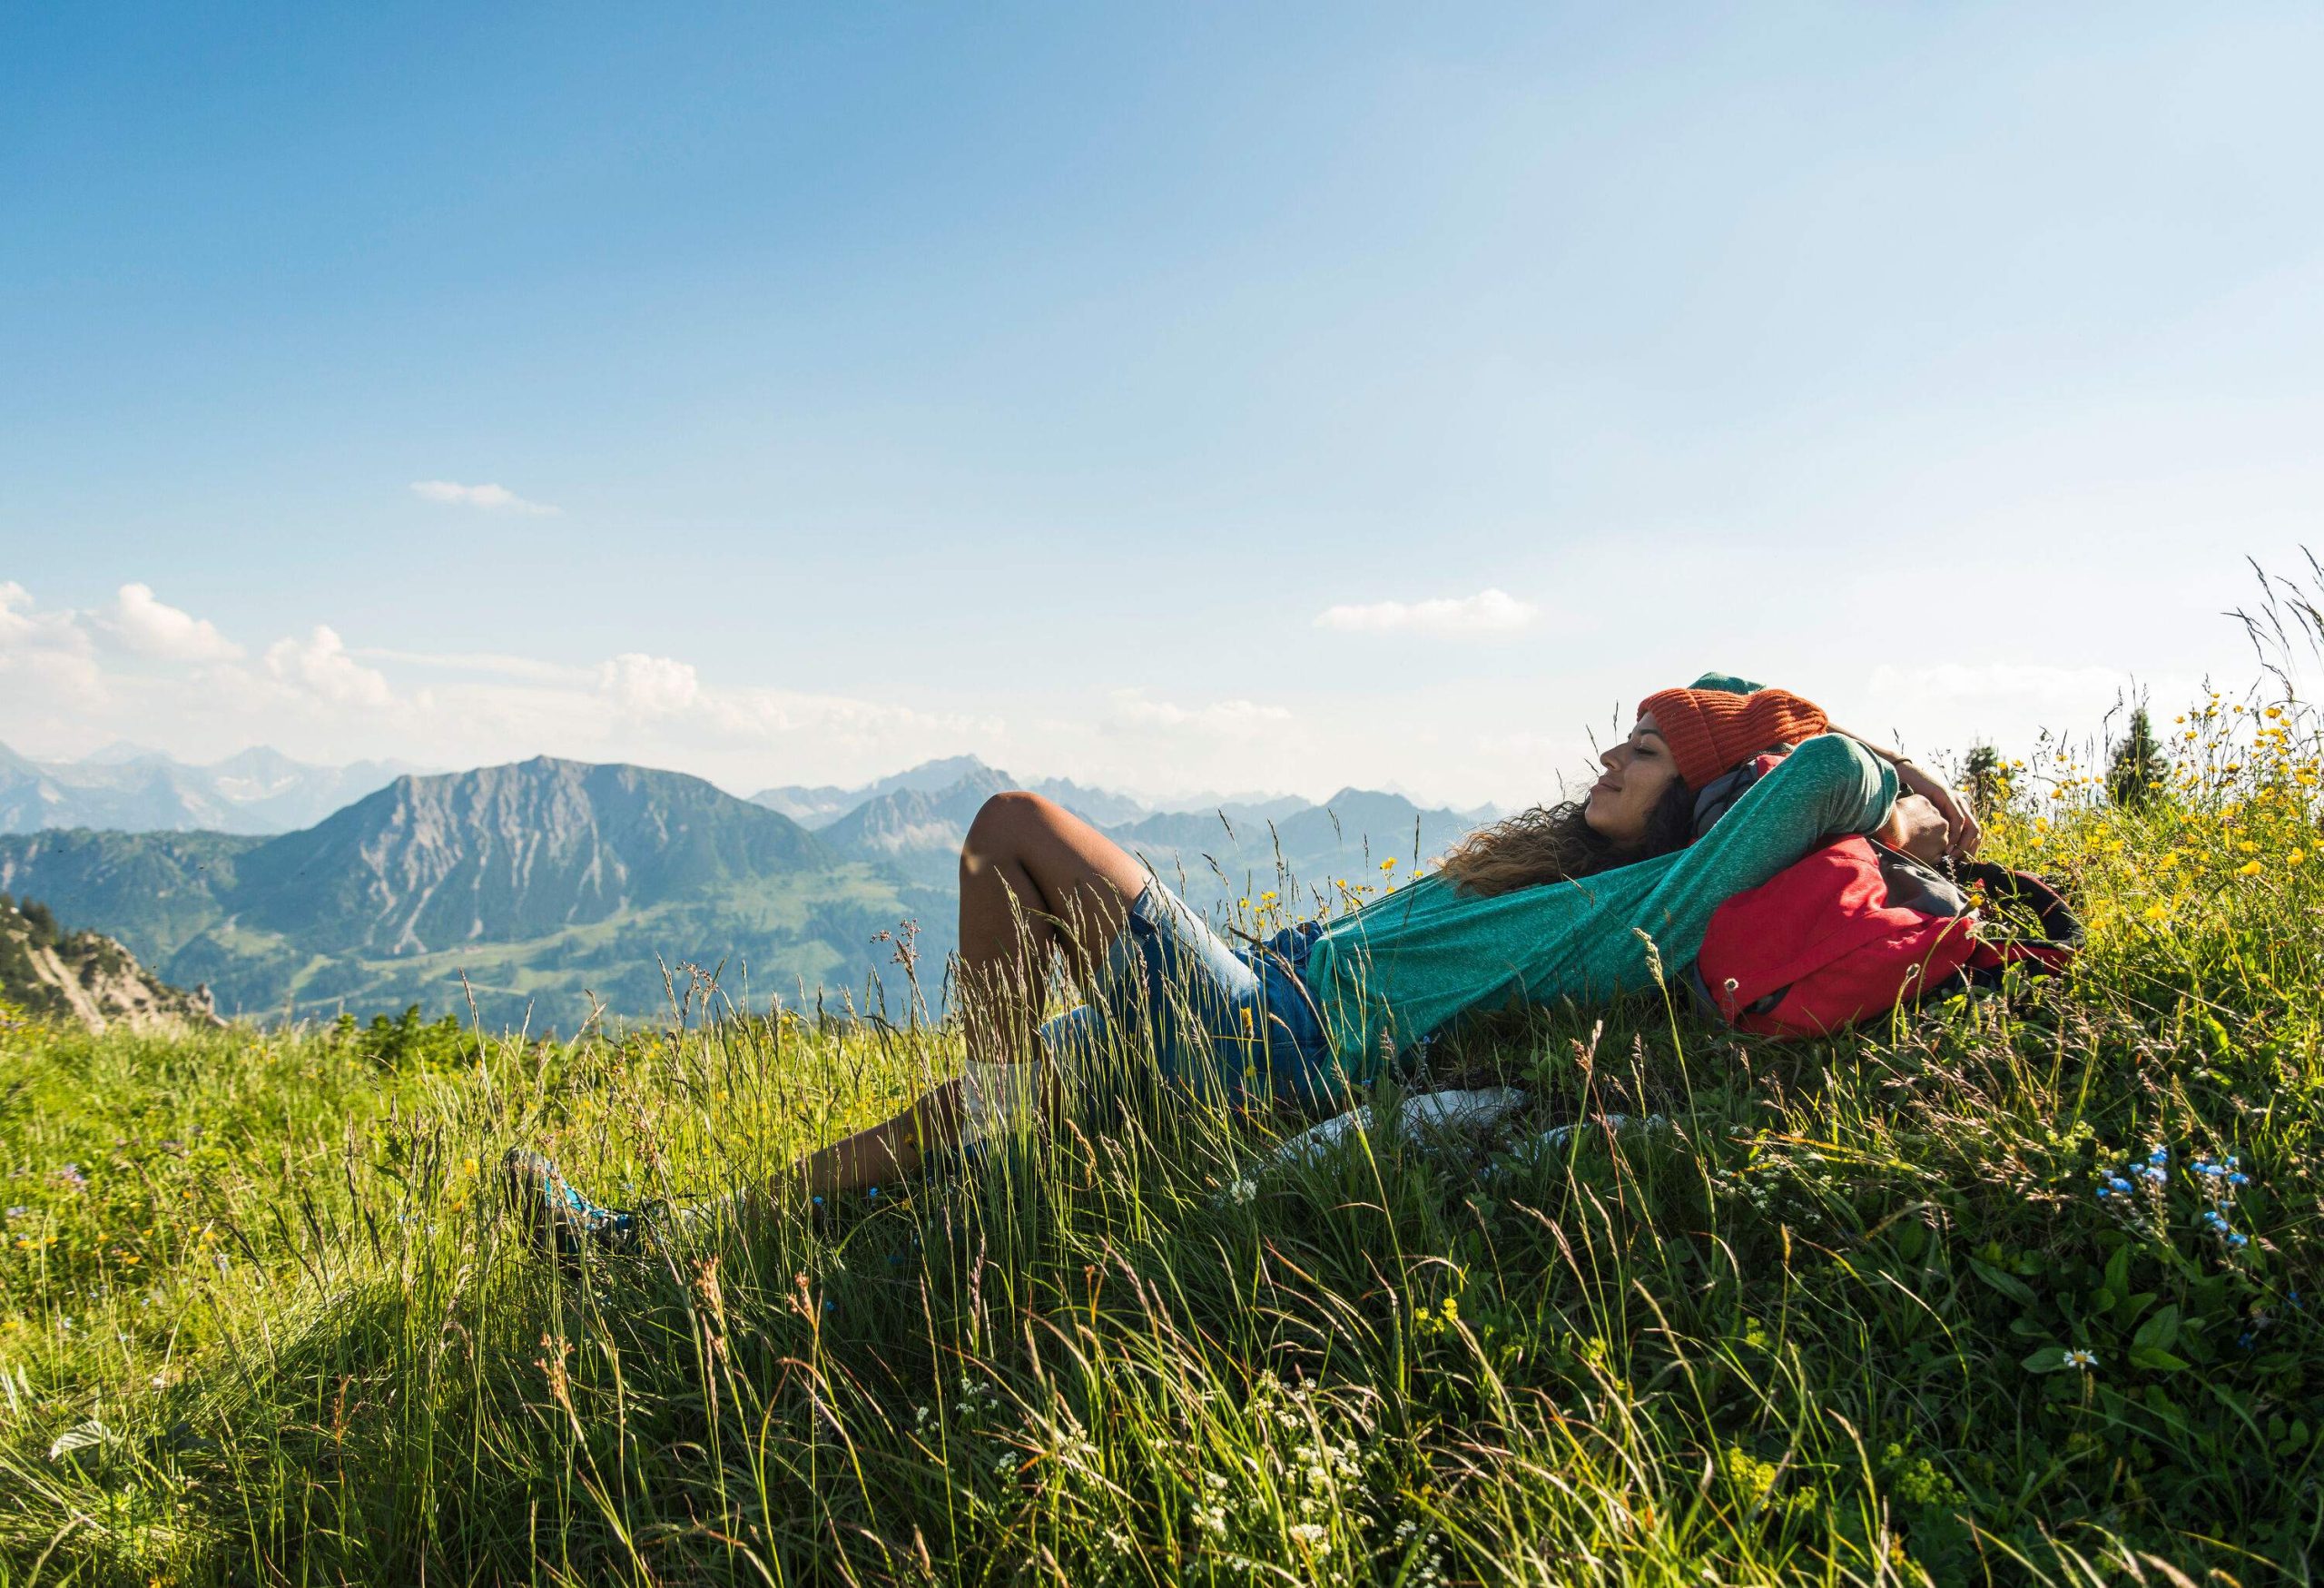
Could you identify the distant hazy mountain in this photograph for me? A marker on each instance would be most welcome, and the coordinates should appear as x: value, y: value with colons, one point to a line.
x: 133, y: 789
x: 1099, y: 807
x: 526, y: 886
x: 819, y: 807
x: 918, y: 833
x: 824, y: 803
x: 1298, y: 856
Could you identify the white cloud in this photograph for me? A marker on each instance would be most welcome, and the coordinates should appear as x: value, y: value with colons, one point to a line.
x: 24, y: 627
x: 649, y: 686
x: 495, y: 499
x: 1130, y: 711
x: 147, y: 626
x: 1486, y: 612
x: 528, y: 668
x: 49, y: 651
x: 2026, y: 683
x: 320, y: 667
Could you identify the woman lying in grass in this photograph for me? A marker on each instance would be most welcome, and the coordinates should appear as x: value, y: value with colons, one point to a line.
x: 1573, y: 900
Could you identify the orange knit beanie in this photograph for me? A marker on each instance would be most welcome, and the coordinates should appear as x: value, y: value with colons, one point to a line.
x: 1710, y: 731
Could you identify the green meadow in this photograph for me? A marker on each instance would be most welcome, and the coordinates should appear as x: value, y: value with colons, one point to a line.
x: 1856, y: 1312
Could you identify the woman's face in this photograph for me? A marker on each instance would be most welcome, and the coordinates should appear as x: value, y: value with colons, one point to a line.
x: 1638, y: 772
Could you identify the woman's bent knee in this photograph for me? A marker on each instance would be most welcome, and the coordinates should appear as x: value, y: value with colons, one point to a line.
x: 1003, y: 821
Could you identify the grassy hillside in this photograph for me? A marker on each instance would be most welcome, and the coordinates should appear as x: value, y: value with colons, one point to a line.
x: 1859, y: 1312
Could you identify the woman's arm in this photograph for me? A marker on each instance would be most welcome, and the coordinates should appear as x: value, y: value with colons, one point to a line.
x: 1961, y: 821
x: 1829, y: 787
x: 1825, y: 789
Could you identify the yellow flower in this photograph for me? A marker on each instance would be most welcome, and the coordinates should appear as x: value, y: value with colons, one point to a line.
x: 2250, y: 869
x: 2295, y: 857
x: 2247, y: 846
x: 1388, y: 865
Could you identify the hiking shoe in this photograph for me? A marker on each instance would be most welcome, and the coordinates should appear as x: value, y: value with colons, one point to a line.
x: 557, y: 1217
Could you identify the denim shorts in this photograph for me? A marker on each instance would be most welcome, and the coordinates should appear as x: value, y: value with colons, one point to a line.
x: 1236, y: 1025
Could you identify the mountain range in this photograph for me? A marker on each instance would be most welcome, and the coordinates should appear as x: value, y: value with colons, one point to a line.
x: 528, y: 890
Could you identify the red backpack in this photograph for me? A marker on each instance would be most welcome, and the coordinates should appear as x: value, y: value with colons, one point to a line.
x: 1857, y: 929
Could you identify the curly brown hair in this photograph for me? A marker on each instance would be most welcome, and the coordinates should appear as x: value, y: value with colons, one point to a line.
x: 1553, y: 844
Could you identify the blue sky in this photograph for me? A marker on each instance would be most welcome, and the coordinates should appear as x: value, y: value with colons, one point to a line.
x: 1229, y: 398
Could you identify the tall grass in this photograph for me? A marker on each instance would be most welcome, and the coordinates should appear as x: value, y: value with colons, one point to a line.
x: 1860, y: 1314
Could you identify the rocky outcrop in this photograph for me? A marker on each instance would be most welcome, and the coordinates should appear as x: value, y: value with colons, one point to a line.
x: 88, y: 978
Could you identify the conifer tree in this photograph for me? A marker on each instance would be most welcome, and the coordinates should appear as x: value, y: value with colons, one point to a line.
x: 1981, y: 772
x: 2138, y: 772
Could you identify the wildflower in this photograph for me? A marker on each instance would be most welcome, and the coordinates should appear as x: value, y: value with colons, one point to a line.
x: 2081, y: 1360
x: 2238, y: 1239
x: 1312, y: 1535
x: 2160, y: 1155
x: 2250, y: 869
x: 1243, y: 1190
x: 872, y: 1195
x: 70, y: 1177
x: 18, y: 1212
x: 2239, y: 1178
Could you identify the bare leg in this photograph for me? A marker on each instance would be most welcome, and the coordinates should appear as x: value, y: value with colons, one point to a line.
x: 1036, y: 882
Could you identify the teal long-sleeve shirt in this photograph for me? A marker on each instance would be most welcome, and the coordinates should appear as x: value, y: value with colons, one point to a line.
x: 1389, y: 973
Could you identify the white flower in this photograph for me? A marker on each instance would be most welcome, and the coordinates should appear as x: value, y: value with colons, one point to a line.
x: 2084, y: 1360
x: 1312, y: 1535
x: 1243, y: 1190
